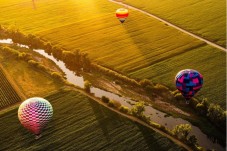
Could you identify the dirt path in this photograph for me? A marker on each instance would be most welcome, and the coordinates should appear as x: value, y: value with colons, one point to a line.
x: 172, y: 25
x: 135, y: 119
x: 16, y: 105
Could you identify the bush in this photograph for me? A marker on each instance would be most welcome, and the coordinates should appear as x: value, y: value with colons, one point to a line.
x: 87, y: 86
x: 193, y: 102
x: 192, y: 140
x: 56, y: 75
x: 124, y: 109
x: 111, y: 103
x: 24, y: 56
x: 145, y: 82
x: 179, y: 97
x: 138, y: 109
x: 105, y: 99
x: 115, y: 104
x: 33, y: 63
x: 163, y: 91
x: 10, y: 51
x: 156, y: 125
x: 182, y: 131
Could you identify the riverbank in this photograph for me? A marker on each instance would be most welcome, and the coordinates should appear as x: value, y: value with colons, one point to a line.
x: 130, y: 87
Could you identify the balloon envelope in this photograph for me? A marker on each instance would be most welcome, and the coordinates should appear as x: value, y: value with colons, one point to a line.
x: 188, y: 82
x: 122, y: 14
x: 35, y: 113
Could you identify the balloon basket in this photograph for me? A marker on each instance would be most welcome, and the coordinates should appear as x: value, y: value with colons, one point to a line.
x: 187, y: 101
x: 37, y: 136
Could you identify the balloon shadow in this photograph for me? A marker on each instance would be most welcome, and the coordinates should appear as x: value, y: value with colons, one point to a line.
x: 33, y: 4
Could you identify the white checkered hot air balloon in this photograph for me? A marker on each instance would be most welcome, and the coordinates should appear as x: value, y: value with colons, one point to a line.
x: 34, y: 114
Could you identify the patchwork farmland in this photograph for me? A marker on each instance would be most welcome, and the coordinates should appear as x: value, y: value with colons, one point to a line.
x: 8, y: 95
x: 205, y: 18
x: 139, y: 48
x: 79, y: 123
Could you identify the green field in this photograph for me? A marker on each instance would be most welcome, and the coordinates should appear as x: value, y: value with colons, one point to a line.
x: 79, y: 123
x: 206, y: 18
x: 142, y: 47
x: 8, y: 95
x: 30, y: 81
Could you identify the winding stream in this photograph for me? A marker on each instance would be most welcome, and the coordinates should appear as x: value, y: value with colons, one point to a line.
x: 155, y: 115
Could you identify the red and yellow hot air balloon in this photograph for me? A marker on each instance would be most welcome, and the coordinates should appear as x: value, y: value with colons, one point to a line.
x: 34, y: 114
x: 122, y: 14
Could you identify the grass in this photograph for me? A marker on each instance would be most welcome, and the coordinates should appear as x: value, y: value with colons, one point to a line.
x: 210, y: 63
x: 206, y: 18
x: 79, y: 123
x: 31, y: 81
x: 140, y: 48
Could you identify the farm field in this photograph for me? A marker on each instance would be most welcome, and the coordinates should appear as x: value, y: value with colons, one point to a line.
x: 8, y: 95
x: 30, y: 81
x: 205, y: 18
x: 79, y: 123
x: 138, y: 48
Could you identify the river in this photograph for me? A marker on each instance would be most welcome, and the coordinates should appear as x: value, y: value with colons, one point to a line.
x: 155, y: 115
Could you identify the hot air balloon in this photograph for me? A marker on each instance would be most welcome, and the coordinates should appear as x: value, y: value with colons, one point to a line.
x: 122, y: 14
x: 34, y: 114
x: 188, y: 82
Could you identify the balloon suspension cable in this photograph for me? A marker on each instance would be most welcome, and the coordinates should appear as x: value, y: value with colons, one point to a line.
x: 37, y: 136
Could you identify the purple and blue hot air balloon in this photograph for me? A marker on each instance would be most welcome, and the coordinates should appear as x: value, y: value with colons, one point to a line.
x: 188, y: 82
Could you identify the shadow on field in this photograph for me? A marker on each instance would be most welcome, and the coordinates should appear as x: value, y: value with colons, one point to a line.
x: 102, y: 118
x: 147, y: 136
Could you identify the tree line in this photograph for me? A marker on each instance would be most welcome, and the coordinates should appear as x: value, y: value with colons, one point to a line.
x: 78, y: 61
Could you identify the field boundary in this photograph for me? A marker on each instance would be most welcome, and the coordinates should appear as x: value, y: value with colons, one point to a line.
x: 13, y: 83
x: 132, y: 118
x: 172, y: 25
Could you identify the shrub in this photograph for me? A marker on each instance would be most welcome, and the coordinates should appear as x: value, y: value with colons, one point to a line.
x: 111, y: 103
x: 192, y: 140
x: 163, y: 91
x: 182, y: 131
x: 156, y: 125
x: 33, y: 63
x: 87, y: 86
x: 193, y: 102
x: 115, y: 104
x: 179, y: 97
x: 10, y: 51
x: 24, y: 56
x: 56, y: 75
x: 124, y: 109
x: 145, y: 82
x: 105, y: 99
x: 138, y: 109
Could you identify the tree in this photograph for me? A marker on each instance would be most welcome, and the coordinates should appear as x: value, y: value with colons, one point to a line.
x: 192, y: 140
x: 182, y: 131
x: 105, y: 99
x: 216, y: 114
x: 87, y: 86
x: 201, y: 109
x: 145, y: 82
x: 138, y: 109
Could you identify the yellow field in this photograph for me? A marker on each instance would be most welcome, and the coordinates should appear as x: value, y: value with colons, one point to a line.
x: 30, y: 81
x: 142, y: 47
x: 206, y: 18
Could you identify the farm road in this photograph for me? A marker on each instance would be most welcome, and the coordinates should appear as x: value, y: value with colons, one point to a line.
x: 172, y: 25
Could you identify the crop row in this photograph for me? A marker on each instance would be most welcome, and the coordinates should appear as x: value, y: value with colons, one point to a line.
x: 8, y: 95
x: 79, y: 123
